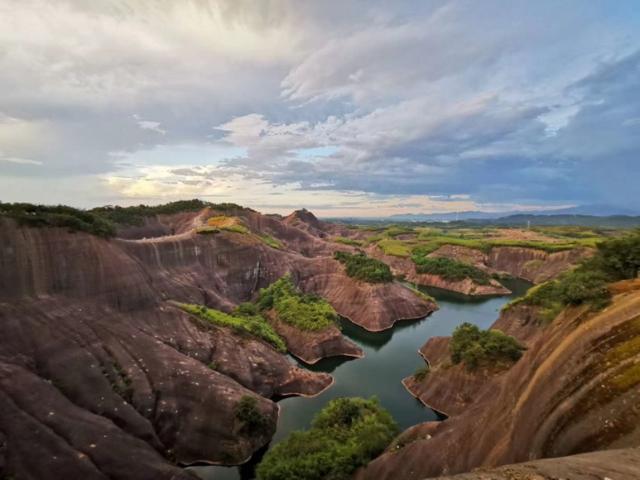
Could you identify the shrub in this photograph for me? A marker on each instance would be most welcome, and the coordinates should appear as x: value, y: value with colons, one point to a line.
x: 58, y: 216
x: 344, y: 435
x: 254, y: 325
x: 307, y: 312
x: 475, y: 347
x: 135, y: 215
x: 364, y: 268
x: 271, y: 241
x: 615, y: 259
x: 449, y: 269
x: 254, y: 422
x: 348, y: 241
x: 619, y: 258
x: 421, y: 373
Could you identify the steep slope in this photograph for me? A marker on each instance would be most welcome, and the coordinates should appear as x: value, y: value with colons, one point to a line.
x: 574, y: 390
x: 623, y: 464
x: 100, y: 377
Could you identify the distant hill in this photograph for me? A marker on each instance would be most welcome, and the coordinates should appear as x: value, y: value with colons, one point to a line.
x: 585, y: 210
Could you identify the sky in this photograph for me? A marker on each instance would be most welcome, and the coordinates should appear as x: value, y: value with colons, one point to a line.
x: 347, y: 108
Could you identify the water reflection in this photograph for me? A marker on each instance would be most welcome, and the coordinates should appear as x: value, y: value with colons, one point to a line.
x: 389, y: 357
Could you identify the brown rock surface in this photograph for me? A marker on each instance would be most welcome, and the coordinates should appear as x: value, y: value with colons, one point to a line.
x: 101, y: 378
x: 405, y: 266
x: 574, y: 390
x: 622, y: 464
x: 312, y: 346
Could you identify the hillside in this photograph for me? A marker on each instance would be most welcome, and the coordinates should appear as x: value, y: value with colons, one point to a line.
x: 101, y: 371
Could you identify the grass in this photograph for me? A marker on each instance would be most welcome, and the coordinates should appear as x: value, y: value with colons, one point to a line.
x: 396, y: 248
x: 271, y: 241
x: 254, y: 325
x: 303, y: 311
x: 419, y: 292
x: 344, y: 435
x: 348, y: 241
x: 449, y: 269
x: 227, y: 223
x: 483, y: 348
x: 421, y: 373
x: 364, y: 268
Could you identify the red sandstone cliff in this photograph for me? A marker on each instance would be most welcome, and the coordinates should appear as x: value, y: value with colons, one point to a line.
x: 574, y: 390
x: 100, y: 377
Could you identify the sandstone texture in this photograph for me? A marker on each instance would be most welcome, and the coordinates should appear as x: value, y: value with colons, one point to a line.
x: 574, y: 390
x: 101, y: 377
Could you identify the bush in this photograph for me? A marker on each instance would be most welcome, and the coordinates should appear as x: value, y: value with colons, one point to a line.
x: 421, y: 373
x: 135, y: 215
x: 615, y: 259
x: 619, y: 258
x: 344, y: 435
x: 475, y: 347
x: 254, y: 422
x: 306, y: 312
x: 348, y: 241
x: 364, y: 268
x: 74, y: 219
x: 241, y: 322
x: 449, y: 269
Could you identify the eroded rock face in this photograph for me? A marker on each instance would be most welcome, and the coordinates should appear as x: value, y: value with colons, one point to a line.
x: 100, y: 377
x: 405, y: 267
x: 574, y: 390
x: 311, y: 346
x: 623, y: 464
x: 530, y: 264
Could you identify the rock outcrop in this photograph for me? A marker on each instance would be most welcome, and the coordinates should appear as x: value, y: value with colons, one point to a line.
x: 402, y: 266
x: 574, y: 390
x: 530, y: 264
x: 100, y: 377
x: 622, y: 464
x: 312, y: 346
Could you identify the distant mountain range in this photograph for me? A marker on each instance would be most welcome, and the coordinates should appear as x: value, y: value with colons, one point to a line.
x: 589, y: 210
x: 585, y: 215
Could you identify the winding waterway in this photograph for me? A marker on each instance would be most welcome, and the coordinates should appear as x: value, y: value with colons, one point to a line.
x: 389, y: 357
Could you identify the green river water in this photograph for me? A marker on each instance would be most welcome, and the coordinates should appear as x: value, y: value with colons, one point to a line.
x: 389, y: 357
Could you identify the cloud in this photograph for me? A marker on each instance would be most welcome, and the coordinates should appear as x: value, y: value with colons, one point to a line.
x: 525, y: 103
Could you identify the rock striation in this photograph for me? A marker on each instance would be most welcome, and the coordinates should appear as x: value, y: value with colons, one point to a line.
x: 101, y: 377
x: 574, y: 390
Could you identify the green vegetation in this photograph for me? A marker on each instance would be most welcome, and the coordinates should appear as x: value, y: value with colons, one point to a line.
x: 348, y: 241
x: 271, y: 241
x: 206, y: 229
x: 421, y: 373
x: 615, y: 259
x: 344, y: 435
x: 253, y: 421
x: 306, y: 312
x: 135, y: 215
x: 58, y: 216
x: 486, y: 348
x: 394, y: 247
x: 251, y: 324
x: 449, y: 269
x: 364, y: 268
x: 419, y: 292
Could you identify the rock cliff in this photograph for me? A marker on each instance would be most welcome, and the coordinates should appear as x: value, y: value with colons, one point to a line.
x: 574, y: 390
x: 100, y: 377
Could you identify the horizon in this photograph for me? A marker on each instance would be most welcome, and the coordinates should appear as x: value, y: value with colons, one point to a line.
x: 348, y: 109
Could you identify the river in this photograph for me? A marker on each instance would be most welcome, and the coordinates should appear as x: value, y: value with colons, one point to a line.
x: 389, y: 357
